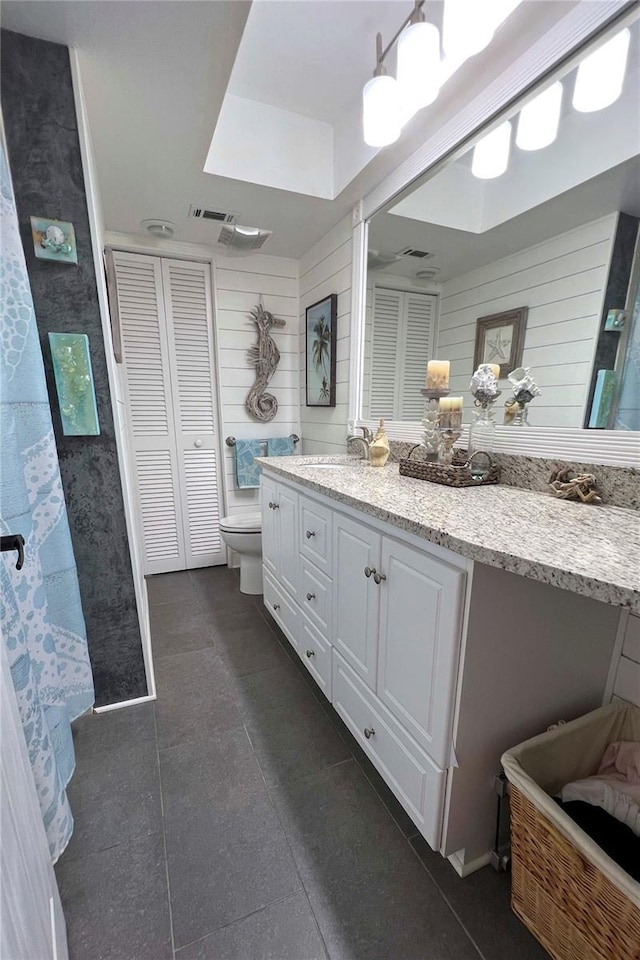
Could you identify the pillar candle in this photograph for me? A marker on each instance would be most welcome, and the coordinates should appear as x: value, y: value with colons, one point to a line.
x: 438, y: 374
x: 495, y: 369
x: 450, y: 412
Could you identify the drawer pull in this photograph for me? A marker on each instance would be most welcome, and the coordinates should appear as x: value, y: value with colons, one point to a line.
x: 369, y: 570
x: 379, y: 577
x: 309, y: 534
x: 276, y: 606
x: 369, y: 732
x: 271, y: 505
x: 311, y: 596
x: 276, y: 506
x: 310, y: 653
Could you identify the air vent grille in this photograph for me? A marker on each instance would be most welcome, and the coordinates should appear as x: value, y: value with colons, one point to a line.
x: 220, y: 216
x: 413, y: 252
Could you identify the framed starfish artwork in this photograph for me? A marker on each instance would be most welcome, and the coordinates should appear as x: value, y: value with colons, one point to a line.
x: 500, y: 339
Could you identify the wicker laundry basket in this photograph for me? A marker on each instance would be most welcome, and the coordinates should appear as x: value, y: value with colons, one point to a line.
x: 573, y: 898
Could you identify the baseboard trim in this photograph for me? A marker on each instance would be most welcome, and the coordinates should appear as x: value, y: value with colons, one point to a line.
x: 123, y: 703
x: 465, y: 869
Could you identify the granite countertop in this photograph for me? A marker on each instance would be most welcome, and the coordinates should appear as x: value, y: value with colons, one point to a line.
x: 589, y: 549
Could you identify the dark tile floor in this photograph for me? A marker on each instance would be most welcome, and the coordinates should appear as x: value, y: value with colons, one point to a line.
x: 237, y: 819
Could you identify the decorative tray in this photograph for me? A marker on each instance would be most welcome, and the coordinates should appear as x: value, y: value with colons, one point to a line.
x: 463, y: 472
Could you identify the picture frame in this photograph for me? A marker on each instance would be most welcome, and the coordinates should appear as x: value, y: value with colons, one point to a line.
x: 320, y: 341
x: 500, y: 339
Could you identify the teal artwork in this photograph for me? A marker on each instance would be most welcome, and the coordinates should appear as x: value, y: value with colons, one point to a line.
x: 74, y: 383
x: 54, y: 240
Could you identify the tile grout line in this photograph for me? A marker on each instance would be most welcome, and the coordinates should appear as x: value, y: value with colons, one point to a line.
x: 443, y: 895
x: 164, y: 841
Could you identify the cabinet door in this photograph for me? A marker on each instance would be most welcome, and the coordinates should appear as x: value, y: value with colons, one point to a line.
x: 356, y: 596
x: 288, y: 562
x: 419, y: 638
x: 269, y: 525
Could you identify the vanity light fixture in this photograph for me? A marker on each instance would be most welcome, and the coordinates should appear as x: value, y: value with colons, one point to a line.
x: 538, y: 121
x: 388, y: 103
x: 601, y: 75
x: 468, y: 26
x: 491, y: 154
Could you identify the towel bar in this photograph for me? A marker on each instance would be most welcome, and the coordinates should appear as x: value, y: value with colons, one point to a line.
x: 231, y: 441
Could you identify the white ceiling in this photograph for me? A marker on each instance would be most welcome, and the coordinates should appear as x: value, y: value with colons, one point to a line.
x: 155, y: 73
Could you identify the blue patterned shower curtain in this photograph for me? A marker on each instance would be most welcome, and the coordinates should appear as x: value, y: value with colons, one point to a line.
x: 40, y: 611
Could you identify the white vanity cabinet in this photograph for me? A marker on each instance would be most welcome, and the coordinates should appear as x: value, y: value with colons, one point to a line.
x: 280, y: 534
x: 436, y: 664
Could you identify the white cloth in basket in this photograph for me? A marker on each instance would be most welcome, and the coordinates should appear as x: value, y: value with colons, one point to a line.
x: 616, y: 785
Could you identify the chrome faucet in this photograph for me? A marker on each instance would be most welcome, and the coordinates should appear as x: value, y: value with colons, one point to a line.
x: 363, y: 441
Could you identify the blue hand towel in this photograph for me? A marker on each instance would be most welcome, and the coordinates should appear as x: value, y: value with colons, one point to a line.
x: 247, y: 470
x: 280, y: 447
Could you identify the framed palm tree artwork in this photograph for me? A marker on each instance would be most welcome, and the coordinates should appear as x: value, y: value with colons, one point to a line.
x: 321, y: 352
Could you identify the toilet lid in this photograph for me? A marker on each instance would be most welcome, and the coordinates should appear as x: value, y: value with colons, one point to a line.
x: 242, y: 523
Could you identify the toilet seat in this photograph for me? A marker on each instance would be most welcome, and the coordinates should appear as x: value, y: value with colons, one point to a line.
x: 243, y: 523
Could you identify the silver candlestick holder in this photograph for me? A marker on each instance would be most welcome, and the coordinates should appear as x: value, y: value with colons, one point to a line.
x: 431, y: 420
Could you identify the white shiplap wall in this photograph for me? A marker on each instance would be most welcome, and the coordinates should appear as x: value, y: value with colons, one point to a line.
x: 562, y: 282
x: 239, y: 283
x: 326, y: 269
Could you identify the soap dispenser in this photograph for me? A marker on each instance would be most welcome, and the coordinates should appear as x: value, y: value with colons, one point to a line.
x: 379, y: 449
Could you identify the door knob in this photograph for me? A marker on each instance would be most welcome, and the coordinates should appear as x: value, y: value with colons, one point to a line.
x: 310, y: 653
x: 368, y: 571
x: 311, y: 596
x: 197, y: 443
x: 379, y: 577
x: 309, y: 534
x: 369, y: 732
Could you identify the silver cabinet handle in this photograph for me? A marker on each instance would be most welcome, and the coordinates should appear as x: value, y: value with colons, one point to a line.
x: 309, y: 534
x: 310, y: 653
x: 369, y: 732
x: 270, y: 504
x: 379, y: 577
x: 369, y: 570
x: 276, y: 606
x: 276, y: 506
x: 311, y: 596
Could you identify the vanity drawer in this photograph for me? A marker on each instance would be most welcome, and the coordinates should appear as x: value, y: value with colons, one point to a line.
x: 283, y: 611
x: 315, y: 653
x: 414, y: 778
x: 315, y: 533
x: 315, y: 598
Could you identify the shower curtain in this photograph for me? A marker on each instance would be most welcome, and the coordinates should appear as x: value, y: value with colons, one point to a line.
x: 40, y: 612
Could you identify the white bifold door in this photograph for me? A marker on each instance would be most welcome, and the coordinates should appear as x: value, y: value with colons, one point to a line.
x: 403, y: 340
x: 165, y: 315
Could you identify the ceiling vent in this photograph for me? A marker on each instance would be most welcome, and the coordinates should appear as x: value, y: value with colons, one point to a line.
x: 378, y: 259
x: 239, y: 239
x: 219, y: 216
x: 415, y: 253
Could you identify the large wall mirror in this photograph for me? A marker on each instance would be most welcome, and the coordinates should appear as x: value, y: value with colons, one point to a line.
x: 521, y: 250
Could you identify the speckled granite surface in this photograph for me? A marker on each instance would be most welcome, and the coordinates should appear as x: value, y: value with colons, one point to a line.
x: 591, y: 550
x: 620, y: 486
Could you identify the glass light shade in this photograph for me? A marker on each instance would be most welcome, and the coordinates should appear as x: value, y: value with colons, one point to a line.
x: 419, y: 65
x: 491, y: 154
x: 600, y: 76
x: 381, y: 111
x: 469, y: 25
x: 539, y: 119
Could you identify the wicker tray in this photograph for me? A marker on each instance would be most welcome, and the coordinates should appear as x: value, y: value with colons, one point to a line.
x: 458, y: 474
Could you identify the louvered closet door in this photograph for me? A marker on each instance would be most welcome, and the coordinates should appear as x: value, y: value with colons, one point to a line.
x: 188, y: 303
x: 387, y: 310
x: 150, y: 411
x: 419, y: 316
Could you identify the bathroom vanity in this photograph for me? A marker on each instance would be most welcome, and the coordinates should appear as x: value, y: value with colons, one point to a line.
x: 431, y: 618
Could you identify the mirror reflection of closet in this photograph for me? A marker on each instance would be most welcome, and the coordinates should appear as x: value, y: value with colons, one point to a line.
x: 556, y: 232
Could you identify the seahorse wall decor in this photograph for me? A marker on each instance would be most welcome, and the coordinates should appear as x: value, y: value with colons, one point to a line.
x: 265, y: 356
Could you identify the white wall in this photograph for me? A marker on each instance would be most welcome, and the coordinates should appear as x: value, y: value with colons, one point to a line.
x: 239, y: 284
x: 326, y: 269
x: 562, y: 282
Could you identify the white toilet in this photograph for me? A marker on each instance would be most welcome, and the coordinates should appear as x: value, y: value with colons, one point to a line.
x: 243, y: 533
